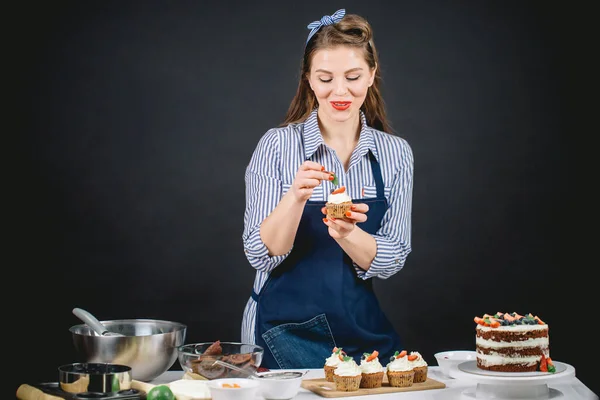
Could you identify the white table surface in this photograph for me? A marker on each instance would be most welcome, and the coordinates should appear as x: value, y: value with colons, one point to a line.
x: 571, y: 389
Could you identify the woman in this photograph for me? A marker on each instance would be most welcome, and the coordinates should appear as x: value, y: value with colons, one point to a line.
x: 313, y: 287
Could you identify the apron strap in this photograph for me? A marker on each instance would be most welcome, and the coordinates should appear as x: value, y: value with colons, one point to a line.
x: 254, y: 296
x: 377, y: 175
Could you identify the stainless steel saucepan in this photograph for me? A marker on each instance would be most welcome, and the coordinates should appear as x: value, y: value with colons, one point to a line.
x: 94, y: 378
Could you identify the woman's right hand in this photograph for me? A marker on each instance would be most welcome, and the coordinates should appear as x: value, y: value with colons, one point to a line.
x: 309, y: 175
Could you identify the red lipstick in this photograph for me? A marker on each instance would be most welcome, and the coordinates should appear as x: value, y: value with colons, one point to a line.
x: 340, y: 105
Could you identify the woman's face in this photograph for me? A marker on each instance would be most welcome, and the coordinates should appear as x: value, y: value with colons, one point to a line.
x: 340, y: 78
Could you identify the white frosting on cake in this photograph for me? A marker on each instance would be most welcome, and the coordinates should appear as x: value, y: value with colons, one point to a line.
x: 533, y: 342
x: 339, y: 198
x: 499, y: 359
x: 333, y: 360
x: 513, y: 328
x: 347, y: 368
x: 419, y: 362
x: 370, y: 367
x: 399, y: 364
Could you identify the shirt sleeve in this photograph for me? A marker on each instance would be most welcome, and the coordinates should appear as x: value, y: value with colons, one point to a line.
x: 394, y: 237
x: 263, y: 193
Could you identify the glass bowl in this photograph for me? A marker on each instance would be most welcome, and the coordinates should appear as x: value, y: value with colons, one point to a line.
x: 198, y: 359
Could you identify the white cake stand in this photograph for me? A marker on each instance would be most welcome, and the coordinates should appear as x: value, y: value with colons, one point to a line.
x: 511, y: 385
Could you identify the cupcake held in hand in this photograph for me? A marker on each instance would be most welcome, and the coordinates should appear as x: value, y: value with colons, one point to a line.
x: 332, y: 362
x: 347, y: 375
x: 372, y: 370
x: 418, y: 364
x: 399, y: 373
x: 338, y: 203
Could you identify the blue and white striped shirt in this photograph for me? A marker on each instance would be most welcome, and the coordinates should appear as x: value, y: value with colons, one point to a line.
x: 271, y: 172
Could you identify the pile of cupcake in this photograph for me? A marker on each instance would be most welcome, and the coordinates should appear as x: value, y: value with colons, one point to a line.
x: 403, y: 370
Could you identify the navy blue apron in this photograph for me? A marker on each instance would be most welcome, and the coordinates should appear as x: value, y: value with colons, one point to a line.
x: 314, y: 301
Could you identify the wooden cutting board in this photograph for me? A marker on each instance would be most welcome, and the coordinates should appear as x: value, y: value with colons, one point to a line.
x: 51, y: 391
x: 327, y: 389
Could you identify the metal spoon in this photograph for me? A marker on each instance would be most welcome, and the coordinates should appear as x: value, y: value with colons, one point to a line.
x: 93, y: 323
x: 247, y: 372
x: 254, y: 375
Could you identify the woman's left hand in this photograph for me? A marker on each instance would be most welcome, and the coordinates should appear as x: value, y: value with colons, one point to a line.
x: 339, y: 228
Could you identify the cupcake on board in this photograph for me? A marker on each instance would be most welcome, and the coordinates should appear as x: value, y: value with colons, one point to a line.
x: 338, y: 203
x: 419, y: 365
x: 399, y: 372
x: 372, y: 370
x: 347, y: 375
x: 332, y: 362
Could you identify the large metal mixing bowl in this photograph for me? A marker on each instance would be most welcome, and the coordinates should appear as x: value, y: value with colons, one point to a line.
x: 149, y: 346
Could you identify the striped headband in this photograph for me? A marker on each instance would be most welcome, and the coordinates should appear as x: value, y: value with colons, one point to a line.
x: 326, y: 20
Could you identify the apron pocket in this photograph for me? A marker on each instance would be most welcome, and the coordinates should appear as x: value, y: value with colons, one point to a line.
x: 301, y: 345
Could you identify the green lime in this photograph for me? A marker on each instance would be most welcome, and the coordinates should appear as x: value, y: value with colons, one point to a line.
x: 160, y: 392
x: 116, y: 385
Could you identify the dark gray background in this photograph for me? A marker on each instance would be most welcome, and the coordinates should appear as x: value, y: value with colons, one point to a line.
x: 138, y: 119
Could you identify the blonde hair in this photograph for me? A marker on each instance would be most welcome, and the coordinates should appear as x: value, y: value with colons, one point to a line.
x: 354, y: 31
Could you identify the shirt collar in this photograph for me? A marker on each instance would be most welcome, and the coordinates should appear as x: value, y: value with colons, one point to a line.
x: 313, y: 138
